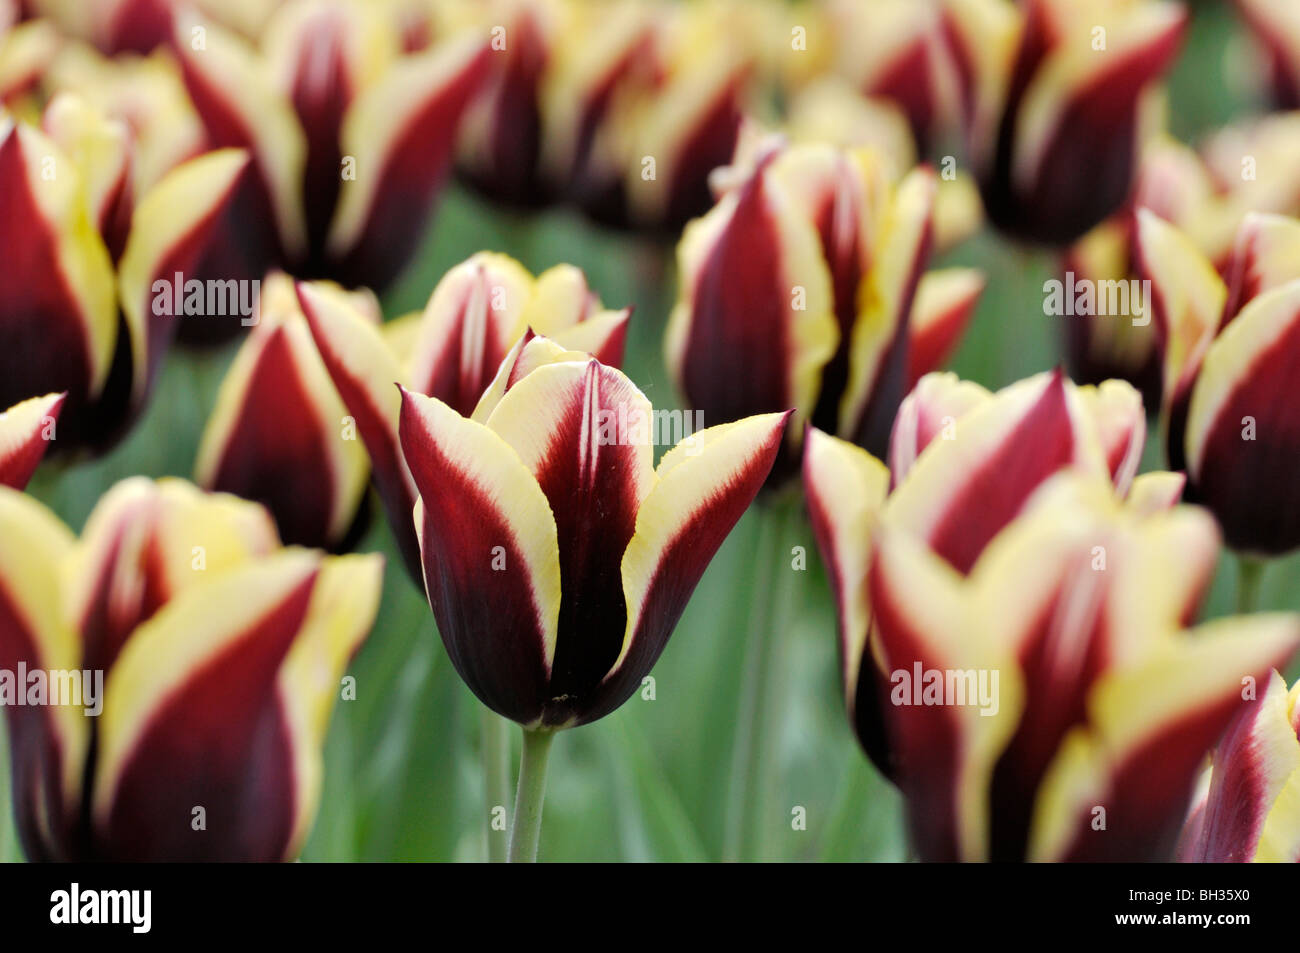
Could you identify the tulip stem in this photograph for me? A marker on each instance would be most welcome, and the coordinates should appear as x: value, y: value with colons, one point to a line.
x: 1250, y: 573
x: 496, y: 779
x: 526, y: 826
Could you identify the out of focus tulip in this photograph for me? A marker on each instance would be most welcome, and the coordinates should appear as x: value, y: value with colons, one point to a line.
x: 1051, y: 94
x: 1228, y: 353
x: 1249, y: 803
x: 199, y: 663
x: 1252, y: 166
x: 279, y: 434
x: 350, y: 136
x: 557, y: 558
x: 962, y: 465
x: 26, y: 430
x: 139, y: 26
x: 452, y: 351
x: 1053, y: 705
x: 66, y: 214
x: 1276, y: 25
x: 26, y: 50
x: 797, y: 290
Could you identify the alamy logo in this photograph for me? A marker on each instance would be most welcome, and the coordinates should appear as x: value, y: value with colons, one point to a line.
x: 946, y: 687
x: 1084, y: 297
x: 178, y: 297
x: 131, y: 907
x: 83, y: 688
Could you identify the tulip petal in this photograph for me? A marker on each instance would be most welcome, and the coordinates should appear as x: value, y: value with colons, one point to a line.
x: 944, y: 753
x: 491, y: 556
x: 933, y: 407
x: 364, y: 369
x: 1115, y: 411
x: 846, y: 489
x: 47, y: 743
x: 343, y: 606
x: 400, y: 131
x: 173, y: 224
x: 585, y: 432
x: 1253, y: 763
x: 191, y: 721
x: 26, y: 430
x: 57, y: 278
x: 1242, y: 435
x: 945, y: 303
x: 264, y: 457
x: 702, y: 488
x: 962, y: 491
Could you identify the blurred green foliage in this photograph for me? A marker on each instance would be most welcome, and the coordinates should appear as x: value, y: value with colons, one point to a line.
x: 654, y: 780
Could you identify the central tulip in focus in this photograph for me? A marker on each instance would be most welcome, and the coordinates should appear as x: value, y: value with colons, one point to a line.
x: 557, y: 558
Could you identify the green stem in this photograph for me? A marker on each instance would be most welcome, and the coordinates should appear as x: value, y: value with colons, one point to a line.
x: 496, y: 779
x: 750, y: 751
x: 526, y: 826
x: 1250, y: 573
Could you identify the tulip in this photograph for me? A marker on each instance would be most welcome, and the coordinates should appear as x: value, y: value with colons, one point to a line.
x: 139, y: 26
x: 1227, y: 351
x: 61, y: 217
x: 1051, y: 95
x: 1063, y: 612
x: 556, y: 557
x: 1248, y: 808
x: 26, y: 50
x: 1277, y: 28
x: 26, y: 430
x: 797, y: 290
x: 963, y: 463
x: 208, y: 659
x: 897, y: 50
x: 479, y: 311
x: 350, y: 137
x: 279, y: 433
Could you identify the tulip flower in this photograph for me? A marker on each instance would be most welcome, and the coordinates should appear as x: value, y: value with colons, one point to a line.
x: 350, y: 137
x: 477, y: 313
x: 1248, y: 808
x: 139, y: 26
x: 26, y: 50
x: 963, y: 463
x: 1277, y: 28
x: 797, y: 290
x: 198, y: 663
x: 303, y: 461
x: 897, y: 50
x: 1072, y: 616
x: 557, y: 558
x: 61, y: 216
x: 26, y: 430
x: 1052, y: 93
x: 1227, y: 352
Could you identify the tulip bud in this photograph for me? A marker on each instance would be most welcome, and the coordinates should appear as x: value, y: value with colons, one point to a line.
x: 1053, y: 93
x: 26, y: 430
x: 207, y: 660
x: 797, y: 290
x: 1249, y: 805
x: 279, y: 433
x: 1226, y: 350
x: 1277, y: 29
x: 479, y: 311
x: 964, y: 463
x: 26, y: 50
x: 61, y: 212
x: 557, y: 558
x: 350, y: 137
